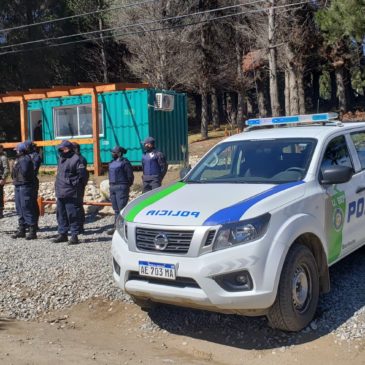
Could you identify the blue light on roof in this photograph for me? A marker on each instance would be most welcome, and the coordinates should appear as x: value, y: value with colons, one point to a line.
x: 306, y: 118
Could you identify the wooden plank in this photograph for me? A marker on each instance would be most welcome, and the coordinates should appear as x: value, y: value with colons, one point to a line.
x: 81, y: 91
x: 34, y: 96
x: 57, y: 93
x: 24, y: 120
x: 51, y: 142
x: 11, y: 99
x: 96, y: 132
x: 131, y: 86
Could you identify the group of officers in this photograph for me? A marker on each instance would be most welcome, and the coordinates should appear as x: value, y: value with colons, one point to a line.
x: 71, y: 180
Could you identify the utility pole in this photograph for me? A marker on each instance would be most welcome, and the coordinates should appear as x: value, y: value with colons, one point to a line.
x: 274, y: 94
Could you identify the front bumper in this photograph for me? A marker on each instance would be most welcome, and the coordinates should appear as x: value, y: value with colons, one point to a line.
x: 199, y: 290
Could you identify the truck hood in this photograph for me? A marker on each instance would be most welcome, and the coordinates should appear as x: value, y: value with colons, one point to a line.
x: 209, y: 204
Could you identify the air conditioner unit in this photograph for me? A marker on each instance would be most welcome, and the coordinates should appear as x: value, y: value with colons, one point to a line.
x: 164, y: 102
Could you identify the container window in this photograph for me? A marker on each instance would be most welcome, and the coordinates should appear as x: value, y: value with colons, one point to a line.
x: 75, y: 121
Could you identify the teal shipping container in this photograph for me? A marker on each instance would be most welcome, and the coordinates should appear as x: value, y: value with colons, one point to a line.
x: 126, y: 118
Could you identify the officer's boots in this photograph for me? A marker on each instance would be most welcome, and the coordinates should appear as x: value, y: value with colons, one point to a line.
x: 1, y: 213
x: 110, y: 231
x: 20, y: 233
x: 74, y: 240
x: 32, y: 235
x: 60, y: 238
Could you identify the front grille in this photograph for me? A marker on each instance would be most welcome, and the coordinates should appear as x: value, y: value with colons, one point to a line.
x: 178, y: 241
x: 180, y: 282
x: 210, y: 238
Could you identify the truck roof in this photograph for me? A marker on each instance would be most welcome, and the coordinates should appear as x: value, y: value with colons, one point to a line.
x: 303, y: 131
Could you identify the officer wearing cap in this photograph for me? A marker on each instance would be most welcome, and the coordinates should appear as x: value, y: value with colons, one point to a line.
x: 70, y: 182
x: 4, y: 172
x: 120, y: 180
x: 37, y: 161
x: 154, y: 165
x: 24, y: 182
x: 81, y: 200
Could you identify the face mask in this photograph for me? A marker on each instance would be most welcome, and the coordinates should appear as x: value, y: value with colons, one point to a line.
x: 65, y: 154
x: 148, y: 148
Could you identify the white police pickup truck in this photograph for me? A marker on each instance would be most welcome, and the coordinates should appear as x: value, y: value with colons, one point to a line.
x: 254, y: 226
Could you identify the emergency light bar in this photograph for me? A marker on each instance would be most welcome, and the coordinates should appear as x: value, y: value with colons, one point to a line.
x: 294, y: 119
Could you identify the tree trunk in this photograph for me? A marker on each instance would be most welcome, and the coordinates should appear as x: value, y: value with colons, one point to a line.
x: 333, y: 89
x: 204, y: 115
x: 287, y: 93
x: 341, y: 90
x: 301, y: 93
x: 214, y: 107
x: 261, y: 95
x: 221, y: 106
x: 293, y: 92
x: 198, y: 107
x: 315, y: 90
x: 234, y: 103
x: 104, y: 64
x: 241, y: 112
x: 274, y: 93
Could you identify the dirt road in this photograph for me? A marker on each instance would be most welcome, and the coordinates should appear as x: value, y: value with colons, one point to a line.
x: 102, y: 332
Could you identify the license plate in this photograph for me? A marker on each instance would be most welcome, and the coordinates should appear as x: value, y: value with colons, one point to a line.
x: 157, y: 270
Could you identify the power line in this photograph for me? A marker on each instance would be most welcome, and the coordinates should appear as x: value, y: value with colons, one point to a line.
x: 77, y: 16
x: 177, y: 17
x: 156, y: 29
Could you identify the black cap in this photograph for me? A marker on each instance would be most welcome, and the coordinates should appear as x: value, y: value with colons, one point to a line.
x: 150, y: 140
x: 66, y: 144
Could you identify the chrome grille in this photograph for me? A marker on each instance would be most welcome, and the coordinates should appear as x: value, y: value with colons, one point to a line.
x: 178, y: 241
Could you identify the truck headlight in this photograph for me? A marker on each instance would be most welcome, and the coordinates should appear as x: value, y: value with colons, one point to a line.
x: 238, y: 233
x: 121, y: 227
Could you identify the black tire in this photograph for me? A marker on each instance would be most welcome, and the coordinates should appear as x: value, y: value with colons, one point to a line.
x: 144, y: 304
x: 297, y: 298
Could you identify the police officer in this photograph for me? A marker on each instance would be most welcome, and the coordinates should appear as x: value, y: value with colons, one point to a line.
x: 154, y: 165
x: 24, y: 182
x: 4, y: 172
x: 37, y: 161
x: 81, y: 200
x: 120, y: 180
x: 70, y: 182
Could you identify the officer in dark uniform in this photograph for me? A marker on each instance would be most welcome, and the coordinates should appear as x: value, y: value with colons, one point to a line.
x: 70, y: 182
x: 24, y: 182
x: 4, y: 172
x: 81, y: 200
x: 154, y: 165
x: 37, y: 161
x: 120, y: 180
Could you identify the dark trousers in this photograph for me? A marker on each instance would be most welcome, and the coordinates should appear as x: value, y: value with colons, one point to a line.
x: 119, y: 195
x: 25, y: 207
x: 81, y: 209
x: 150, y: 184
x: 35, y: 197
x: 68, y: 215
x: 1, y: 197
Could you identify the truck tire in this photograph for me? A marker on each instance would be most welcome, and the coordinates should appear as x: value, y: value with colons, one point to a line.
x: 297, y: 297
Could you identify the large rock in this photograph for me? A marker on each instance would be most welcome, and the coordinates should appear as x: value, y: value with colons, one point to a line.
x: 104, y: 190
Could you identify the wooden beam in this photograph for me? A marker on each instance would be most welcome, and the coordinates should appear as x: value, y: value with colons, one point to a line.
x: 57, y: 93
x: 81, y: 91
x: 131, y: 86
x: 96, y: 132
x: 24, y: 120
x: 11, y: 99
x: 34, y: 96
x: 55, y: 142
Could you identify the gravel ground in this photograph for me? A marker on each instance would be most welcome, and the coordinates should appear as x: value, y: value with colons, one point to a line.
x: 40, y: 276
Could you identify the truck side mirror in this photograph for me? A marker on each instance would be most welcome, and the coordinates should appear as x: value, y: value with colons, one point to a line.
x: 336, y: 175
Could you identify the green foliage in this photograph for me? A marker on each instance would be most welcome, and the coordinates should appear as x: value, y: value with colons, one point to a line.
x: 343, y: 19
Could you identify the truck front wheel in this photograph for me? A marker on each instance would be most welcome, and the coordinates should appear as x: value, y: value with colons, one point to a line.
x: 297, y: 298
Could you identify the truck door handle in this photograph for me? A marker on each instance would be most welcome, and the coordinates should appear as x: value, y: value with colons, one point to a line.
x: 360, y: 189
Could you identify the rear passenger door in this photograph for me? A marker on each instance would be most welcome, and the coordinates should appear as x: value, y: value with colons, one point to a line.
x: 356, y: 206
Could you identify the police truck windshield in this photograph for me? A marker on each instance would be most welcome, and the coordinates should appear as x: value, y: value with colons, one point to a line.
x: 270, y: 161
